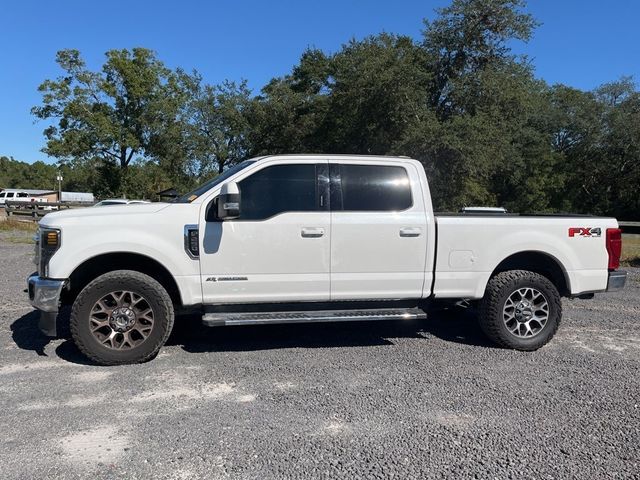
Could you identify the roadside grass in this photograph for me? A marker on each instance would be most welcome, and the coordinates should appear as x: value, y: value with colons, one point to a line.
x: 15, y: 231
x: 11, y: 225
x: 16, y: 239
x: 630, y: 251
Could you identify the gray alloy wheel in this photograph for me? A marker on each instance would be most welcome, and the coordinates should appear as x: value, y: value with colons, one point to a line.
x: 121, y: 320
x: 525, y: 312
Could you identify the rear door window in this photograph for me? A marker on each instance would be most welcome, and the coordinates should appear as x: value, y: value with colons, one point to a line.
x: 382, y: 188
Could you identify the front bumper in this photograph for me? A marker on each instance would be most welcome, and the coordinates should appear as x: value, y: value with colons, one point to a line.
x: 616, y: 281
x: 44, y: 294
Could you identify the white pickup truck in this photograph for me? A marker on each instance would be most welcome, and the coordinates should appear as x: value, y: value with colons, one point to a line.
x: 14, y: 195
x: 311, y: 238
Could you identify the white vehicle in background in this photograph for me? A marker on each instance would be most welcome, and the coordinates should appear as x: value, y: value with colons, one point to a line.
x: 15, y: 195
x: 119, y: 201
x: 311, y: 238
x: 24, y: 198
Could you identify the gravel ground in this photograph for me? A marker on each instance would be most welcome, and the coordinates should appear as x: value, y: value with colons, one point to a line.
x: 378, y: 400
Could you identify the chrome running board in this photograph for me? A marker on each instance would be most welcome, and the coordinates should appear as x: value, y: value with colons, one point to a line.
x: 261, y: 318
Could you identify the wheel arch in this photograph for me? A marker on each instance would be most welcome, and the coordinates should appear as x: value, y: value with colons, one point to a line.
x: 539, y: 262
x: 98, y: 265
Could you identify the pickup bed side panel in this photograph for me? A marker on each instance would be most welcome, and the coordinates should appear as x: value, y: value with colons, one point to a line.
x: 470, y: 248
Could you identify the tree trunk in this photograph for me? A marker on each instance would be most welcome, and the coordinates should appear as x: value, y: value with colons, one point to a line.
x: 123, y: 157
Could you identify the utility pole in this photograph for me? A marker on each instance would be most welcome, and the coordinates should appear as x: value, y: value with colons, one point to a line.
x: 59, y: 179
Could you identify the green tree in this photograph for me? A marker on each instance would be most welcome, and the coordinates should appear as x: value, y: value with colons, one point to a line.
x: 218, y: 124
x: 467, y: 37
x: 603, y: 154
x: 478, y: 121
x: 378, y: 89
x: 111, y: 116
x: 286, y: 116
x: 16, y: 174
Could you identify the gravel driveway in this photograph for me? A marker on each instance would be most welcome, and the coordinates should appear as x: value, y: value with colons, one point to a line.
x: 428, y: 399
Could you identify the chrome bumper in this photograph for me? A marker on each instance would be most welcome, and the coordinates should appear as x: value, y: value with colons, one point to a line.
x: 44, y: 294
x: 616, y: 281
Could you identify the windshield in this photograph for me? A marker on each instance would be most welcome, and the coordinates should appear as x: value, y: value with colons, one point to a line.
x: 191, y: 196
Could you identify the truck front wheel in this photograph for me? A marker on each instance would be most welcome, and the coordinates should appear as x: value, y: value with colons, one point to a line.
x: 121, y: 317
x: 520, y: 310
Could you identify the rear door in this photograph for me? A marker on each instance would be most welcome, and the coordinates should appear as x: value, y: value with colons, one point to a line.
x: 378, y: 230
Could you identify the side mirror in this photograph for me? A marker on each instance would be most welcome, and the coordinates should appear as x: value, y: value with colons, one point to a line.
x: 228, y: 202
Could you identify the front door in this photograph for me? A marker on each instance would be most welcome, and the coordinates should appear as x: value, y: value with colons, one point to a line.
x: 278, y: 249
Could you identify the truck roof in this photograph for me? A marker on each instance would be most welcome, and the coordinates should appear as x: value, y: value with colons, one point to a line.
x: 335, y: 156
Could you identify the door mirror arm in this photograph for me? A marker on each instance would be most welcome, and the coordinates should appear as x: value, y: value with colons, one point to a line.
x: 211, y: 215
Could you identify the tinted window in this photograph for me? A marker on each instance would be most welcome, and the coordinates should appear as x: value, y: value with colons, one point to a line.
x: 22, y: 195
x: 277, y: 189
x: 375, y: 188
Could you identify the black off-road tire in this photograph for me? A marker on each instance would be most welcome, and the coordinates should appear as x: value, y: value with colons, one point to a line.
x: 156, y: 296
x: 498, y: 290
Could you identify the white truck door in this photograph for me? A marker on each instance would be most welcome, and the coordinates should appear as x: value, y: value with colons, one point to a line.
x: 378, y: 231
x: 278, y: 249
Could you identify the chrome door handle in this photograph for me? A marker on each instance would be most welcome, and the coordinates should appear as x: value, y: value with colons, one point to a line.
x: 410, y: 232
x: 309, y: 232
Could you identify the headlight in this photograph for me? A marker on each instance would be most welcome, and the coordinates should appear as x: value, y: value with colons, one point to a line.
x: 49, y: 242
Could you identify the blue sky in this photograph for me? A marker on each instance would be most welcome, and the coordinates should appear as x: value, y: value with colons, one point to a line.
x: 581, y: 43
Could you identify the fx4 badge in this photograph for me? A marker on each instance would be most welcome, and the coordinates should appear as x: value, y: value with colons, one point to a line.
x: 585, y: 232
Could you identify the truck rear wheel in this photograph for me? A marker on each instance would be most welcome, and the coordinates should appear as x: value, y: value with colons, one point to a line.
x: 520, y: 310
x: 121, y: 317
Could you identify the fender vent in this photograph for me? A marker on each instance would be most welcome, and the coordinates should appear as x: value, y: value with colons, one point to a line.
x: 192, y: 241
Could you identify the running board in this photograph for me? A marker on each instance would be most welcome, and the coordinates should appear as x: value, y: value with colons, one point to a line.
x: 261, y: 318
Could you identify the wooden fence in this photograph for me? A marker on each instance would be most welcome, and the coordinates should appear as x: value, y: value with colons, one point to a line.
x: 37, y: 210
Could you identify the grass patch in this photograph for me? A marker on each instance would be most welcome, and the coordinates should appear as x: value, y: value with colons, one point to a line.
x: 24, y: 239
x: 11, y: 224
x: 630, y: 251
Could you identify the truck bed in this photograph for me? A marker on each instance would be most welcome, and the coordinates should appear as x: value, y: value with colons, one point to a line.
x: 471, y: 246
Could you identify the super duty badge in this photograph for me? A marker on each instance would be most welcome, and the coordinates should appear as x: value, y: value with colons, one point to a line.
x: 226, y: 279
